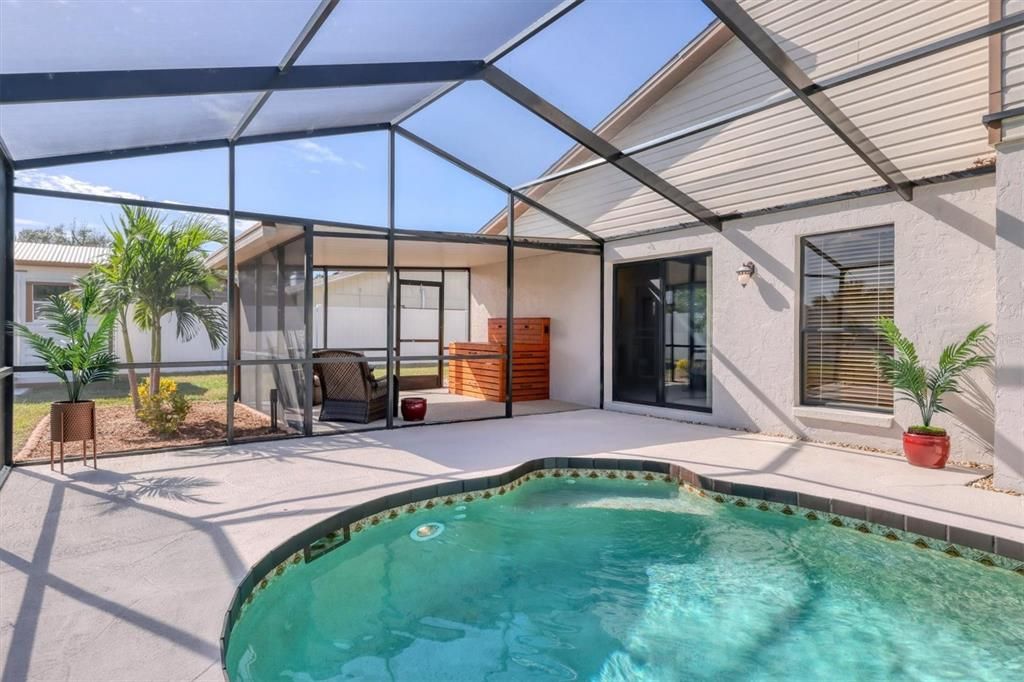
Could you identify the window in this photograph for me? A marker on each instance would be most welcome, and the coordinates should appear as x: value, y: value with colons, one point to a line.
x: 39, y: 294
x: 848, y: 283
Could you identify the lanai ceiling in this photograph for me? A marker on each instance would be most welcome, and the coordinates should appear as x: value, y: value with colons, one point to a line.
x: 776, y: 102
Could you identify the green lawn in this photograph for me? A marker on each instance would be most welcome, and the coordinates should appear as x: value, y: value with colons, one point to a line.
x: 33, y: 404
x: 410, y: 370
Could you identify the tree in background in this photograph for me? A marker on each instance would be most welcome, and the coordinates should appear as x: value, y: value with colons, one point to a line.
x: 154, y: 268
x: 61, y: 234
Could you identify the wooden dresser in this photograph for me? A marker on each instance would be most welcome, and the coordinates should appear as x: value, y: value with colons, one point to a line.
x: 531, y: 356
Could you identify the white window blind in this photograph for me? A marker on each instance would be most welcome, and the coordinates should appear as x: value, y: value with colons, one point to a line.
x: 848, y: 283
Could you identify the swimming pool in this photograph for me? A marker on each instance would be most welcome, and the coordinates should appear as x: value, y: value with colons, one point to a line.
x: 572, y: 577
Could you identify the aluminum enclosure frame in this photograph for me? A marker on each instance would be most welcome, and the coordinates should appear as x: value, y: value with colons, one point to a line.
x: 75, y: 86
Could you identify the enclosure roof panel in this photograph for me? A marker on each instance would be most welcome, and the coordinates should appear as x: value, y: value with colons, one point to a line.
x: 93, y: 35
x: 305, y: 110
x: 57, y: 128
x: 710, y: 135
x: 368, y: 31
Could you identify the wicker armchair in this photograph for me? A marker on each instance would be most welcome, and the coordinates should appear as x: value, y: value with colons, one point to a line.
x: 349, y: 391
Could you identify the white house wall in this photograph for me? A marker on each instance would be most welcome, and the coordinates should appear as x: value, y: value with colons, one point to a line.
x: 198, y: 349
x: 924, y: 116
x: 945, y: 285
x: 565, y: 288
x: 357, y: 319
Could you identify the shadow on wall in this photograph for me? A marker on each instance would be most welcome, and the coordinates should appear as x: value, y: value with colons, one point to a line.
x: 950, y: 214
x: 1014, y: 236
x: 770, y: 294
x: 975, y: 409
x: 726, y: 403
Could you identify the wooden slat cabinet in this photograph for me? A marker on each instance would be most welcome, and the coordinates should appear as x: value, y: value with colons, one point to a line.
x: 486, y: 378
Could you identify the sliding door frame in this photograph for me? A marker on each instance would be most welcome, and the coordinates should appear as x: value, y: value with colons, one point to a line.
x: 617, y: 324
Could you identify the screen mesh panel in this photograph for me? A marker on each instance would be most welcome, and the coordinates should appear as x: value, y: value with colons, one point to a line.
x: 489, y: 131
x: 432, y: 194
x: 780, y: 156
x: 604, y: 200
x: 57, y: 128
x: 369, y: 31
x: 580, y: 63
x: 97, y: 35
x: 300, y: 110
x: 848, y: 283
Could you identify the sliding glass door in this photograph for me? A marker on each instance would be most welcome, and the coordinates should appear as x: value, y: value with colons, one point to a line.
x: 661, y: 332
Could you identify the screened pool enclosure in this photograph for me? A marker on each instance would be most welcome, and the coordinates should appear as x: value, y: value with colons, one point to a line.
x: 441, y: 134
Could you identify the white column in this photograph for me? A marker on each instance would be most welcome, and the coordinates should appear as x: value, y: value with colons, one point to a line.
x: 1009, y: 327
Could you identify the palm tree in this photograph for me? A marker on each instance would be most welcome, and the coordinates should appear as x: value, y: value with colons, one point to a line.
x: 924, y: 386
x: 115, y: 277
x: 154, y: 267
x: 71, y: 353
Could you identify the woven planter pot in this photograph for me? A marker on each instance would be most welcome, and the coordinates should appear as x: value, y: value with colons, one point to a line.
x: 72, y: 421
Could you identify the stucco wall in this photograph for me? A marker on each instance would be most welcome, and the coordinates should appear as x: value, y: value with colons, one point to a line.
x: 565, y: 288
x: 1009, y: 464
x: 945, y: 285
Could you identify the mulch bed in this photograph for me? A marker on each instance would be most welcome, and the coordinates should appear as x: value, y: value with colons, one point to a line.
x: 117, y: 430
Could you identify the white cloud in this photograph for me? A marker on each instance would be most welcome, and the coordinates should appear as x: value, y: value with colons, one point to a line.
x: 318, y: 153
x: 66, y: 183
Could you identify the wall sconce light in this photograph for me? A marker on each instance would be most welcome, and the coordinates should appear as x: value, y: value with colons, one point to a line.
x: 745, y: 272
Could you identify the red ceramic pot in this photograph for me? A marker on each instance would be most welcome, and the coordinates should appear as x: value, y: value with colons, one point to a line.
x: 414, y: 409
x: 926, y: 451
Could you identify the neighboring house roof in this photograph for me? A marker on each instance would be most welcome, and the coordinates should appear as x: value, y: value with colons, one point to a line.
x: 695, y: 53
x: 57, y: 254
x: 253, y: 241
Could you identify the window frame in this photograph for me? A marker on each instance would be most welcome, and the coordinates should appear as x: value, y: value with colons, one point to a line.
x: 30, y: 295
x: 802, y: 329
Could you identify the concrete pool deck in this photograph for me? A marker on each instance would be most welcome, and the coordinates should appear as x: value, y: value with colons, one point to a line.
x: 125, y: 573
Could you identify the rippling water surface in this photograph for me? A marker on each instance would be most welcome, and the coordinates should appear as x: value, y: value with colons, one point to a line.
x: 568, y: 579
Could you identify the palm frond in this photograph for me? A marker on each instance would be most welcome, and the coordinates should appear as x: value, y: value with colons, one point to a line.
x: 83, y: 356
x: 192, y: 316
x: 927, y: 387
x: 896, y: 339
x: 956, y: 353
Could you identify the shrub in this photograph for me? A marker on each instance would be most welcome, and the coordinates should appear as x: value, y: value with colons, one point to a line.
x: 165, y: 411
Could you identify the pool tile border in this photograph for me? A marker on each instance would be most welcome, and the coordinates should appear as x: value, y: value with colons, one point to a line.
x: 336, y: 530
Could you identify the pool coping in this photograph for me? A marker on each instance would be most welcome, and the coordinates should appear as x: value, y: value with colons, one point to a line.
x: 337, y: 529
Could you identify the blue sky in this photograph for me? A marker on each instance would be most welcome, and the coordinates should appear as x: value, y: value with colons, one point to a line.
x: 586, y: 63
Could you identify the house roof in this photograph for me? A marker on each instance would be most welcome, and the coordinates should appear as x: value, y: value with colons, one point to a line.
x: 57, y: 254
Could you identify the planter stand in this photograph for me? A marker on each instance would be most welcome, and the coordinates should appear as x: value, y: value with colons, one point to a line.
x: 70, y: 422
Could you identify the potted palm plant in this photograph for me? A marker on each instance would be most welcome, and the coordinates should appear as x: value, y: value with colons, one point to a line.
x: 925, y: 445
x: 76, y: 356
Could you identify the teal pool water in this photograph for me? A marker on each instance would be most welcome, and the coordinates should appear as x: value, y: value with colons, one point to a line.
x: 565, y: 579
